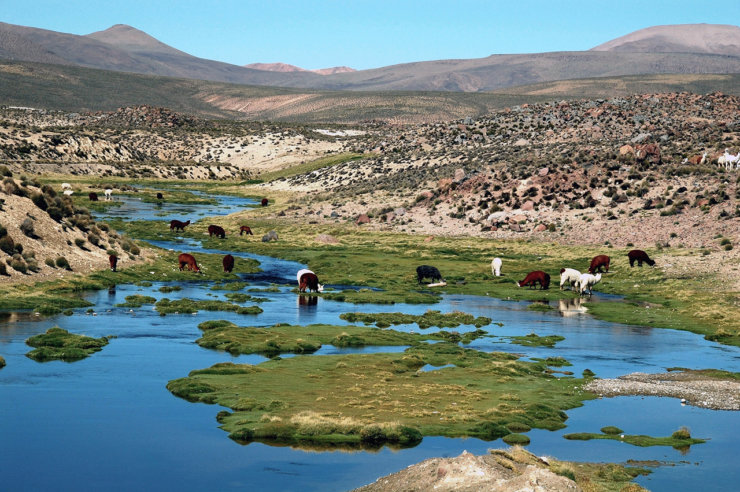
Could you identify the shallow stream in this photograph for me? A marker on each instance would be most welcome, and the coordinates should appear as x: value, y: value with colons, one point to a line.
x: 108, y: 421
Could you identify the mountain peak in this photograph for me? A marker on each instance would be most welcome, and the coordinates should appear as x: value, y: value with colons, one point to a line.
x: 679, y: 38
x: 130, y: 39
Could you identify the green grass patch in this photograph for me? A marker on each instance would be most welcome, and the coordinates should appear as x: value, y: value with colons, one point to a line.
x: 241, y: 297
x: 426, y: 320
x: 308, y: 167
x: 680, y: 439
x: 234, y: 286
x: 136, y: 301
x: 478, y: 397
x: 59, y: 344
x: 166, y: 289
x: 534, y: 340
x: 189, y: 306
x: 283, y: 338
x: 516, y: 439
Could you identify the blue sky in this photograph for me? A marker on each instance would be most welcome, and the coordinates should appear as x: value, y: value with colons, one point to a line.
x: 367, y: 34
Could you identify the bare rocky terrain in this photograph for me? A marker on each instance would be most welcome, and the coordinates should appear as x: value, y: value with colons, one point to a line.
x: 44, y: 236
x: 515, y: 470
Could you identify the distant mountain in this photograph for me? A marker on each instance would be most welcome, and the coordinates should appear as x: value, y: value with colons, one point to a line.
x: 275, y: 67
x: 684, y: 38
x: 333, y: 70
x: 284, y: 67
x: 125, y: 49
x: 683, y: 49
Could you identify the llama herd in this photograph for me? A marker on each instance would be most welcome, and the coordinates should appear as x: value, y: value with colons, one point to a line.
x: 726, y: 160
x: 570, y: 277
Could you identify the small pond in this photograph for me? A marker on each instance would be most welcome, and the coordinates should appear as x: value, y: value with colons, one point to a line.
x: 108, y: 421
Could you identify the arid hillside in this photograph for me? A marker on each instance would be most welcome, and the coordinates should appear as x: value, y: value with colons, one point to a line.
x: 146, y: 141
x: 44, y: 235
x: 639, y: 170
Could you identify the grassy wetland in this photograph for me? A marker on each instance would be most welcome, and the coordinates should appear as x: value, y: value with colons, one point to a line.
x: 387, y: 261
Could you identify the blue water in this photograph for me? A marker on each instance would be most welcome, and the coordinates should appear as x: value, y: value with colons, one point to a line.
x: 108, y: 421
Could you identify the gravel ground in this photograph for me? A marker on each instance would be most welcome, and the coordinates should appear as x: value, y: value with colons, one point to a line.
x: 692, y: 387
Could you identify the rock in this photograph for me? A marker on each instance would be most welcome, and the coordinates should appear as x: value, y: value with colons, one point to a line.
x: 333, y: 214
x: 522, y: 142
x: 362, y: 219
x: 270, y: 236
x: 626, y: 150
x: 459, y: 174
x: 326, y: 239
x: 497, y: 217
x: 544, y: 171
x: 516, y: 228
x: 528, y: 205
x: 540, y: 228
x: 640, y: 138
x: 428, y: 238
x: 399, y: 211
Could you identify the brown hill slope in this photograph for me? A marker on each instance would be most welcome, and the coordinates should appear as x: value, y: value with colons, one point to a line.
x: 123, y: 48
x: 685, y: 38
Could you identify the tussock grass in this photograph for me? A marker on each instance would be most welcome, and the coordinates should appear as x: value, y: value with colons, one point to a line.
x: 59, y: 344
x: 380, y: 389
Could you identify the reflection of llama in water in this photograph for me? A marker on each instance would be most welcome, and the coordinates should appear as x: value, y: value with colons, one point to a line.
x: 308, y: 300
x: 570, y: 307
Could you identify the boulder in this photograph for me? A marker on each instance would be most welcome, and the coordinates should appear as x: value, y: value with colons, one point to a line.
x: 528, y: 205
x: 362, y: 219
x: 626, y: 150
x: 459, y: 174
x: 540, y: 228
x: 543, y: 171
x: 522, y: 142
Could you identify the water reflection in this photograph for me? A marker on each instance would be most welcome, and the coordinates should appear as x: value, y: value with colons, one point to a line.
x: 571, y: 307
x: 308, y: 302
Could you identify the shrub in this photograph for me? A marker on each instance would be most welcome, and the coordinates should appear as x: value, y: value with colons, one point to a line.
x: 27, y: 227
x: 135, y: 250
x: 62, y: 262
x: 50, y: 262
x: 80, y: 242
x: 39, y: 201
x: 3, y: 231
x: 55, y: 213
x: 3, y: 269
x: 682, y: 433
x: 18, y: 264
x: 94, y: 239
x: 728, y: 247
x: 7, y: 245
x: 4, y: 171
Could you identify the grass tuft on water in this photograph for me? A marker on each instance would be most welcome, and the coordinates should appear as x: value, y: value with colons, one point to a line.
x: 680, y: 439
x: 59, y: 344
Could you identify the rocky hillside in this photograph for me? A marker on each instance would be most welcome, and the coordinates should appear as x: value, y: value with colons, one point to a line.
x: 146, y: 141
x: 44, y: 235
x: 625, y: 170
